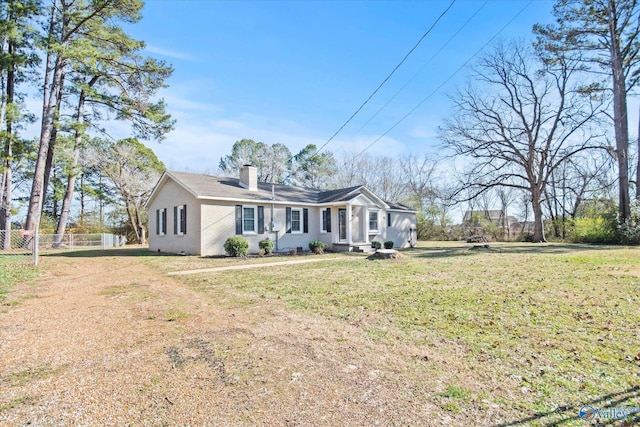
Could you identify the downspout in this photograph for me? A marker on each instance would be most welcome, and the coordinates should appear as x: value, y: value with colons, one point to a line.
x: 349, y: 225
x: 271, y: 227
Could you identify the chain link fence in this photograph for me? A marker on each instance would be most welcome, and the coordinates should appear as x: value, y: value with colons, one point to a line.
x: 18, y: 247
x: 23, y: 246
x: 49, y: 242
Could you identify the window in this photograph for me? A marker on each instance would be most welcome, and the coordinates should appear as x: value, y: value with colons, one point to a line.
x: 296, y: 220
x: 326, y: 221
x: 180, y: 219
x: 373, y: 221
x: 388, y: 219
x: 249, y: 220
x: 161, y: 222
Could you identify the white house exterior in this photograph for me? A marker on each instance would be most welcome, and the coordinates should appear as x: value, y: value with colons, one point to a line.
x: 195, y: 214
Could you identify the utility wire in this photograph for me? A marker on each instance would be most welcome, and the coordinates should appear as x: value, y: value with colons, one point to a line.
x: 423, y: 67
x: 388, y: 77
x: 445, y: 81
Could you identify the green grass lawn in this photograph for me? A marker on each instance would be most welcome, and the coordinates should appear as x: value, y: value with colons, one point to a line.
x: 557, y: 325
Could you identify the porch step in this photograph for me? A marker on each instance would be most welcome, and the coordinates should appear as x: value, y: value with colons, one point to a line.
x: 355, y: 247
x: 362, y: 247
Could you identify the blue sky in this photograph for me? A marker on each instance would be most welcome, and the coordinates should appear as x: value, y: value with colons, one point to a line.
x: 294, y: 71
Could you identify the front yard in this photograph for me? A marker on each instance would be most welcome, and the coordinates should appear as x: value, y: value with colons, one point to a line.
x: 517, y: 334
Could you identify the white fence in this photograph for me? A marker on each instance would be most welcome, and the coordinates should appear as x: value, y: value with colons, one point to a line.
x: 18, y: 247
x: 80, y: 241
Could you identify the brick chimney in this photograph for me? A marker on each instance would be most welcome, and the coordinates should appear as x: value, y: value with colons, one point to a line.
x: 249, y: 177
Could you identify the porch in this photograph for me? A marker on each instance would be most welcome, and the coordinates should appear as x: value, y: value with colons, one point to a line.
x: 355, y: 230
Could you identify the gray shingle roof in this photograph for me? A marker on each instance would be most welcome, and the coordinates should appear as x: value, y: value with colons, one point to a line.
x: 399, y: 206
x: 207, y: 186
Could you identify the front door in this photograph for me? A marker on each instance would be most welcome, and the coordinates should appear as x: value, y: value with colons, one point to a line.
x: 342, y: 224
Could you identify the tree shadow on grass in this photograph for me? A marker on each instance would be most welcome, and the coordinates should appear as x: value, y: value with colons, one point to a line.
x: 626, y: 399
x: 466, y: 249
x: 139, y: 252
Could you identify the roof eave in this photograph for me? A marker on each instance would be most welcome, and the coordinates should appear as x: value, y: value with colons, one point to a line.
x: 163, y: 179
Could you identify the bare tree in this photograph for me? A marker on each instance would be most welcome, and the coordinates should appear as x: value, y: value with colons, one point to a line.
x: 506, y: 196
x: 381, y: 174
x: 420, y: 174
x: 133, y: 170
x: 522, y: 119
x: 604, y: 36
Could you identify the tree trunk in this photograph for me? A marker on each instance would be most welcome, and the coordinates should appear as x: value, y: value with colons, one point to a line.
x: 48, y: 110
x: 538, y: 225
x: 638, y: 165
x: 48, y: 117
x: 6, y: 196
x: 132, y: 221
x: 82, y: 202
x: 553, y: 212
x: 621, y: 126
x: 71, y: 179
x: 143, y: 237
x: 52, y: 147
x: 61, y: 228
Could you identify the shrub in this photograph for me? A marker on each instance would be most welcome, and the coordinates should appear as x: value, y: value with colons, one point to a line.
x: 266, y: 245
x: 376, y: 245
x: 388, y: 244
x: 629, y: 231
x: 317, y: 246
x: 236, y: 246
x: 598, y: 230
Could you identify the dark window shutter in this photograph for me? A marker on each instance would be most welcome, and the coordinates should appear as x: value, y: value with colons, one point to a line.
x: 184, y: 219
x: 164, y: 221
x: 157, y: 221
x: 175, y: 220
x: 305, y: 220
x: 260, y: 219
x: 329, y: 220
x: 388, y: 219
x: 288, y: 226
x: 238, y: 219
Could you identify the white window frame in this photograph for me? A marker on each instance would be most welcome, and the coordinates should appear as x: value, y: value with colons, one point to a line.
x: 300, y: 212
x: 377, y: 229
x: 180, y: 218
x: 255, y: 220
x: 162, y: 218
x: 323, y: 223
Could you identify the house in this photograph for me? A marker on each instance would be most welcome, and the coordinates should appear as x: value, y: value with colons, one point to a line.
x: 195, y: 214
x: 475, y: 222
x: 522, y: 228
x: 507, y: 227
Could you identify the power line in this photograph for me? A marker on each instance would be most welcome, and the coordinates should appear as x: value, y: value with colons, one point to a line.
x: 444, y: 82
x: 389, y: 76
x: 423, y: 66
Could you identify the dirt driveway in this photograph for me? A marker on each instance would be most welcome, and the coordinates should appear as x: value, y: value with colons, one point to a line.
x: 111, y: 341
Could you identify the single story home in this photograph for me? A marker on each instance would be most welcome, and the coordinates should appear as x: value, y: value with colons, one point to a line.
x: 194, y: 214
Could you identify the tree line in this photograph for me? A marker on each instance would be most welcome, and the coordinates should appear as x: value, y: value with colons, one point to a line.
x: 538, y: 118
x: 542, y: 128
x: 544, y: 124
x: 88, y: 71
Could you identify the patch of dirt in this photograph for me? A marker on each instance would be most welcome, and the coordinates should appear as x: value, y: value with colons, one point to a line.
x: 110, y: 341
x: 386, y: 254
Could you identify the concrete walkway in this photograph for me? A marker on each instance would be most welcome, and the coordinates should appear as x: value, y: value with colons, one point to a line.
x: 247, y: 266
